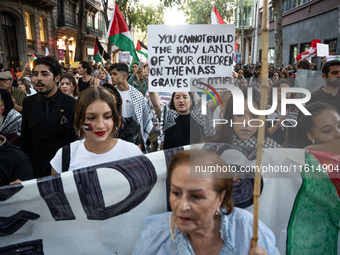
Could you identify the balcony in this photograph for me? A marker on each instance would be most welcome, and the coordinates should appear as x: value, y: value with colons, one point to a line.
x: 47, y: 5
x: 94, y: 32
x: 67, y: 21
x: 93, y: 5
x: 246, y: 23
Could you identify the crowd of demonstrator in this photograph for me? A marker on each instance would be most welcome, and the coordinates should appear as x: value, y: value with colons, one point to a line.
x: 95, y: 114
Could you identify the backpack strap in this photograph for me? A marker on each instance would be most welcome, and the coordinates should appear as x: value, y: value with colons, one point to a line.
x: 66, y: 158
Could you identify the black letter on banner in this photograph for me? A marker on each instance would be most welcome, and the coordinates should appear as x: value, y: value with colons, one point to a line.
x: 244, y: 187
x: 9, y: 191
x: 140, y: 173
x: 9, y: 225
x: 29, y: 247
x: 168, y: 154
x: 52, y: 191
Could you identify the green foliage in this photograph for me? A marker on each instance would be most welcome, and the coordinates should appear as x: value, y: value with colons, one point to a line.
x: 199, y: 11
x: 140, y: 15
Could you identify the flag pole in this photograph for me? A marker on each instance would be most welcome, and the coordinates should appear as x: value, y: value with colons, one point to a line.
x: 261, y: 130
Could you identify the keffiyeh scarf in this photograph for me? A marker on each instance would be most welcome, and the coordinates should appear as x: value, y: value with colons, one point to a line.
x: 252, y: 142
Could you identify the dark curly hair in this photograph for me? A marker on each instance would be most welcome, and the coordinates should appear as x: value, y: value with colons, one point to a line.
x: 75, y: 91
x: 52, y: 63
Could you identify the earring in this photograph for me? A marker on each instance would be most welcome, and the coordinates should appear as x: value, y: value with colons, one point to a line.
x: 313, y: 141
x: 218, y: 212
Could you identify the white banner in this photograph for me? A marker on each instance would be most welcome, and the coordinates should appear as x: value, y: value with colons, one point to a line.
x: 101, y: 209
x: 178, y: 53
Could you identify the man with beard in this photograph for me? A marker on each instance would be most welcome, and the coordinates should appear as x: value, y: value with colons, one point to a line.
x: 330, y: 93
x: 47, y: 118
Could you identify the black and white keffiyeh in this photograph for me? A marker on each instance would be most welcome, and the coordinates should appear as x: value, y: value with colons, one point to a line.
x: 252, y: 142
x: 143, y: 112
x: 12, y: 123
x: 205, y: 121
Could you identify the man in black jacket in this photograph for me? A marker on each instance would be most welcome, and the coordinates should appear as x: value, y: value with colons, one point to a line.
x: 330, y: 93
x: 47, y: 118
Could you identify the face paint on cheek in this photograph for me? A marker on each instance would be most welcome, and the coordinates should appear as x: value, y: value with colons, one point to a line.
x: 88, y: 127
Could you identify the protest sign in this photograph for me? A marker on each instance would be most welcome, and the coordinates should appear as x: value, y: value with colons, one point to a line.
x: 309, y: 79
x: 101, y: 209
x: 322, y: 49
x: 179, y: 53
x: 124, y: 57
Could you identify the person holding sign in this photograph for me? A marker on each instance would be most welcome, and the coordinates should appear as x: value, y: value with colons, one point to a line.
x: 182, y: 119
x: 203, y: 218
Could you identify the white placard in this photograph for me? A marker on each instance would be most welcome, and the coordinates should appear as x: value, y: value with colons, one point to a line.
x: 179, y: 53
x: 90, y: 51
x: 124, y: 57
x: 322, y: 49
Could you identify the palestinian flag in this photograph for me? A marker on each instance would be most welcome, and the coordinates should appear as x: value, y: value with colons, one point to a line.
x: 314, y: 222
x: 34, y: 56
x: 142, y: 49
x: 119, y: 34
x: 299, y: 201
x: 99, y: 52
x: 309, y: 53
x: 217, y: 19
x: 332, y: 57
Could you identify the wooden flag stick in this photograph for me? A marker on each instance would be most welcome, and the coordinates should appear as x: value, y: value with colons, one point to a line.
x: 261, y: 130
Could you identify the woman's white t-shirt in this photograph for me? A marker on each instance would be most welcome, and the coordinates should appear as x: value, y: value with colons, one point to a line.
x: 81, y: 157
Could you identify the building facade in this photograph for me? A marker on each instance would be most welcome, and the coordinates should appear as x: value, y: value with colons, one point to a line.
x: 249, y: 23
x: 32, y: 26
x: 67, y: 27
x: 302, y: 21
x: 26, y: 27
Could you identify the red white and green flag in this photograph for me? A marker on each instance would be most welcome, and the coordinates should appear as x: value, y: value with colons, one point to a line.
x: 217, y: 19
x: 142, y: 49
x: 34, y: 56
x: 119, y: 34
x: 332, y: 57
x: 99, y: 53
x: 312, y: 52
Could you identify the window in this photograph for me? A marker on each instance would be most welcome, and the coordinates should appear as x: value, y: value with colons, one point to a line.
x: 271, y: 55
x: 260, y: 56
x: 101, y: 23
x: 271, y: 13
x: 72, y: 10
x: 260, y: 18
x: 304, y: 47
x: 332, y: 46
x: 42, y: 29
x: 293, y: 53
x: 291, y: 4
x: 28, y: 26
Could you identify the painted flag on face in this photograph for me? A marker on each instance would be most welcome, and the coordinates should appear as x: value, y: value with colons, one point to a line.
x: 217, y: 19
x: 119, y: 34
x: 309, y: 53
x: 99, y: 53
x: 142, y: 49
